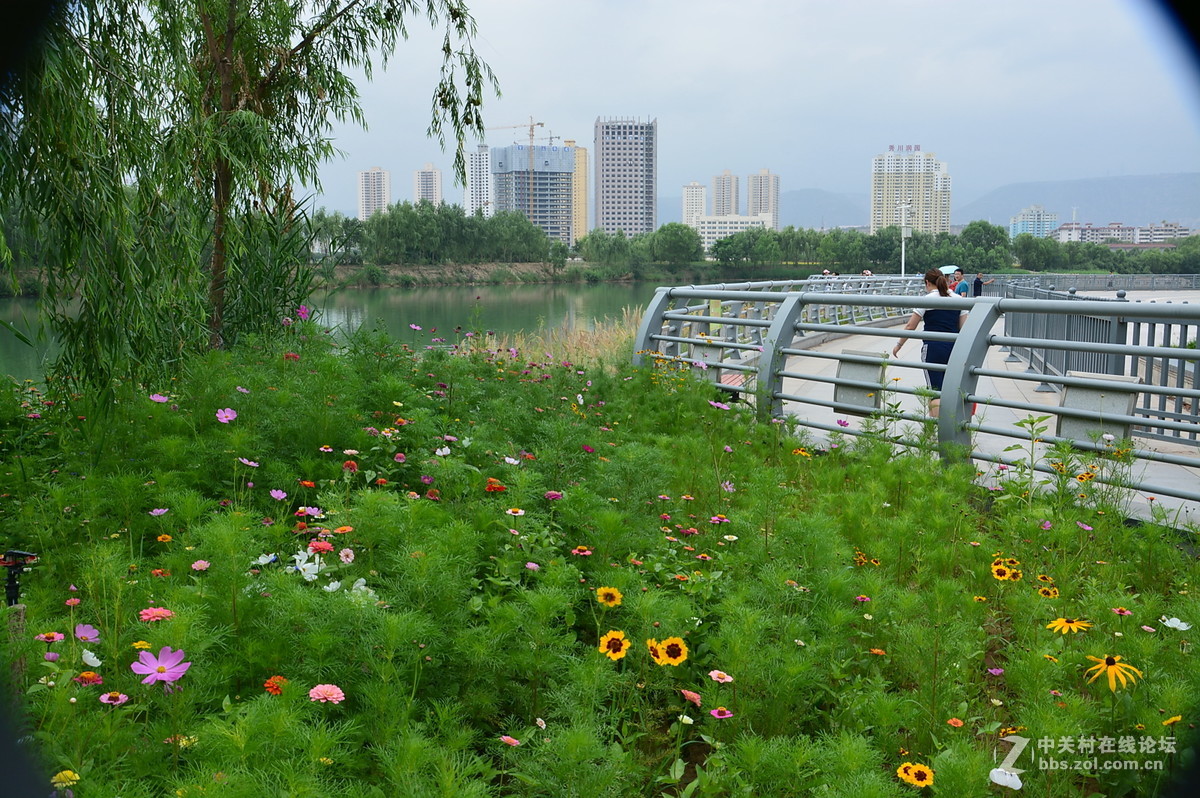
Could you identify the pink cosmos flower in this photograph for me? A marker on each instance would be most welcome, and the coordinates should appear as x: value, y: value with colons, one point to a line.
x: 158, y: 397
x: 50, y: 656
x: 532, y: 566
x: 720, y: 676
x: 240, y: 389
x: 168, y: 666
x: 155, y: 614
x: 728, y: 487
x: 1046, y: 524
x: 995, y: 671
x: 302, y: 313
x: 225, y: 415
x: 114, y: 698
x: 1083, y: 526
x: 246, y: 462
x: 346, y: 556
x: 327, y: 693
x: 201, y: 565
x: 513, y: 741
x: 157, y: 511
x: 720, y: 713
x: 691, y: 696
x: 588, y: 449
x: 87, y: 633
x: 843, y: 422
x: 1149, y: 629
x: 718, y: 405
x: 278, y: 495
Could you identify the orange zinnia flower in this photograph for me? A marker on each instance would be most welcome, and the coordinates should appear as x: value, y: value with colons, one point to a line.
x: 275, y: 684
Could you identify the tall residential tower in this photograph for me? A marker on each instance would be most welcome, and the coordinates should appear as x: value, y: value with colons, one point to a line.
x: 626, y: 175
x: 762, y: 196
x: 579, y: 192
x: 374, y: 192
x: 694, y: 202
x: 427, y: 184
x: 477, y: 194
x: 543, y: 195
x: 905, y: 176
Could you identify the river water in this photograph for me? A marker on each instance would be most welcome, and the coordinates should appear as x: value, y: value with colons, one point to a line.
x: 501, y: 308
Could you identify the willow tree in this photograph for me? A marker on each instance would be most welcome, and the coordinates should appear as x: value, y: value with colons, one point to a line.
x: 152, y: 148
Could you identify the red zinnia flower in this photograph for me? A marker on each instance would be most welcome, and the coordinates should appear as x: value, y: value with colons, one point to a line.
x: 275, y: 684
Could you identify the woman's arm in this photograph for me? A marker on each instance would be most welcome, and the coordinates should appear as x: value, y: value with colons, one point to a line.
x: 913, y: 321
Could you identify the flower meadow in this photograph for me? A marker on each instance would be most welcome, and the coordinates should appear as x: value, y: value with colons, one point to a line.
x: 369, y: 568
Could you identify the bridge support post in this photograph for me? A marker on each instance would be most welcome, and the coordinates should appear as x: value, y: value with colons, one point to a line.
x: 652, y: 322
x: 954, y: 439
x: 779, y: 336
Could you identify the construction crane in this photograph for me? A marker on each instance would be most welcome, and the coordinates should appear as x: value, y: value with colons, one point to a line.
x: 529, y: 187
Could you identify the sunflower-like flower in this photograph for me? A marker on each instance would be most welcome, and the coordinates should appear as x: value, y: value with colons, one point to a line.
x: 609, y: 596
x: 915, y: 774
x: 1115, y: 669
x: 614, y: 645
x: 1065, y: 625
x: 1046, y: 578
x: 1048, y: 592
x: 1001, y: 572
x: 673, y: 651
x: 1014, y: 575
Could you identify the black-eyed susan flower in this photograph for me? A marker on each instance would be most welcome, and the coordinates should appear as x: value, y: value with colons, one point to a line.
x: 1046, y: 578
x: 609, y: 596
x: 1050, y: 658
x: 1065, y: 625
x: 920, y: 776
x: 674, y: 651
x: 614, y: 645
x: 1114, y: 669
x: 1000, y: 572
x: 1015, y: 575
x: 1171, y: 721
x: 655, y: 650
x: 980, y: 598
x: 1048, y: 592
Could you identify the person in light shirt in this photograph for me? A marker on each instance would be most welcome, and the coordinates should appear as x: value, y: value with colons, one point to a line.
x: 945, y: 320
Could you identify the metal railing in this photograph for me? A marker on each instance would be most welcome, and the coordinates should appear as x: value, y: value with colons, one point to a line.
x: 751, y: 338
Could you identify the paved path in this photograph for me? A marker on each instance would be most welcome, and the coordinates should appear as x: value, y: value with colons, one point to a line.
x: 1181, y: 512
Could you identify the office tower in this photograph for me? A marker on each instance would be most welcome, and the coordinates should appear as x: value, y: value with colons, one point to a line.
x: 762, y: 196
x: 374, y: 192
x: 626, y: 175
x: 542, y: 194
x: 427, y: 184
x: 579, y: 192
x: 725, y: 194
x: 477, y: 194
x: 905, y: 176
x: 1033, y: 220
x: 695, y: 201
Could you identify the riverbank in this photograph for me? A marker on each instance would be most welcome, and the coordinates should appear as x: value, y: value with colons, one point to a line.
x: 375, y: 568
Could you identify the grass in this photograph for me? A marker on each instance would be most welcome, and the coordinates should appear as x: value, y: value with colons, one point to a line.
x: 477, y: 504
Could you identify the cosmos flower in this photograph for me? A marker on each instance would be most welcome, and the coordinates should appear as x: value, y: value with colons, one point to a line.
x: 168, y: 666
x: 225, y: 415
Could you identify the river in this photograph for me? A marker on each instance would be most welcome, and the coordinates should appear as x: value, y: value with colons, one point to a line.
x: 501, y: 308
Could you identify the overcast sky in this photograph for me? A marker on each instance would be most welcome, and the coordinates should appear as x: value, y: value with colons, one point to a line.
x: 1024, y: 90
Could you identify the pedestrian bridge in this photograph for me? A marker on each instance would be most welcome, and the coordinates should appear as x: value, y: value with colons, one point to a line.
x: 1105, y: 372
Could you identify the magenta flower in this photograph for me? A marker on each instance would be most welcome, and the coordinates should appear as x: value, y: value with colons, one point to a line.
x: 399, y: 458
x: 513, y: 741
x: 1083, y: 526
x: 155, y: 614
x: 414, y: 327
x: 862, y: 599
x: 168, y: 666
x: 158, y: 397
x: 588, y: 449
x: 113, y: 699
x: 50, y: 637
x: 1121, y: 611
x: 240, y: 389
x: 843, y: 422
x: 246, y: 462
x: 157, y: 511
x: 552, y: 495
x: 201, y: 565
x: 278, y: 495
x: 718, y: 405
x: 1046, y: 524
x: 50, y: 656
x: 302, y: 312
x: 225, y: 415
x: 995, y: 671
x: 87, y: 633
x: 720, y: 713
x: 327, y: 692
x: 532, y: 566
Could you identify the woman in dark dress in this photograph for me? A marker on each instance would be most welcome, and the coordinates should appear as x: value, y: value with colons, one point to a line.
x: 945, y: 320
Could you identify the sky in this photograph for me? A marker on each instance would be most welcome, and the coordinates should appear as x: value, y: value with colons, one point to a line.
x: 1020, y: 91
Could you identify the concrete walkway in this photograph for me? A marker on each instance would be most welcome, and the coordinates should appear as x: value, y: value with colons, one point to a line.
x: 1179, y: 512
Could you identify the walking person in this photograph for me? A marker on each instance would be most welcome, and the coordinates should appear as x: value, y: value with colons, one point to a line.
x: 943, y: 320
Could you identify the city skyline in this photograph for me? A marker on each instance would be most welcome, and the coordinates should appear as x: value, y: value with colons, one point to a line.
x: 830, y: 85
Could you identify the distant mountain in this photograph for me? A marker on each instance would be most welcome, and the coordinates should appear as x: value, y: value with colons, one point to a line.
x: 1132, y: 200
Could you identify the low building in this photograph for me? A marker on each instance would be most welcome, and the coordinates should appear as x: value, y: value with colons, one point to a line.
x: 713, y: 228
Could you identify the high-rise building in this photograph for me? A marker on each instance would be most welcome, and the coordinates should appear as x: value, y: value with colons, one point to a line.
x: 579, y: 192
x: 626, y: 175
x: 695, y: 201
x: 543, y: 195
x: 427, y: 184
x: 762, y: 196
x: 477, y: 194
x: 1034, y: 220
x: 725, y: 198
x: 905, y: 176
x: 374, y: 192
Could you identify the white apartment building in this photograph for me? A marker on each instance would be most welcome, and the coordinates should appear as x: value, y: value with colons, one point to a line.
x: 626, y: 175
x: 477, y: 193
x: 1118, y: 232
x: 713, y: 228
x: 695, y: 202
x: 906, y: 176
x: 725, y: 200
x: 1034, y: 220
x: 762, y: 196
x: 427, y: 184
x: 374, y: 192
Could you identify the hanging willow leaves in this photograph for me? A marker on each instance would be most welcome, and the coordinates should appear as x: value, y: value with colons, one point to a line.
x: 148, y: 155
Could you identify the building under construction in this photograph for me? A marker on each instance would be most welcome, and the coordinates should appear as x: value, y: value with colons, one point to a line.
x: 539, y: 187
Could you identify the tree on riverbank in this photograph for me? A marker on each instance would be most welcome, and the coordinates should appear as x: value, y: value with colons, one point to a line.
x: 151, y: 149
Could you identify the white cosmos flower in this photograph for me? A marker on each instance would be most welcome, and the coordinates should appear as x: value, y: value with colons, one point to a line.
x: 266, y: 559
x: 442, y: 452
x: 90, y: 659
x: 1174, y: 623
x: 332, y: 587
x: 512, y: 461
x: 686, y: 720
x: 1005, y: 778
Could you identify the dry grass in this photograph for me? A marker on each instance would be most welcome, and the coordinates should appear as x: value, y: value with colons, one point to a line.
x: 608, y: 341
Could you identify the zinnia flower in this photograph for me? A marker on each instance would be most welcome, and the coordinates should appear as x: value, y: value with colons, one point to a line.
x: 1115, y: 669
x: 274, y: 685
x: 168, y: 666
x: 1065, y: 625
x: 614, y: 645
x: 720, y: 713
x: 114, y: 698
x: 156, y: 614
x: 1121, y: 611
x: 201, y: 565
x: 507, y: 740
x: 88, y: 677
x: 691, y: 696
x: 955, y: 722
x: 720, y: 676
x: 327, y: 692
x: 609, y: 596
